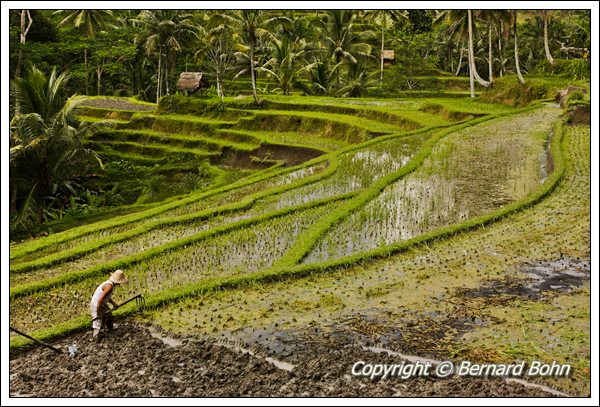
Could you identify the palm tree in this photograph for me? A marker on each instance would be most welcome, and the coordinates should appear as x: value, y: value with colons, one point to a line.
x: 46, y: 144
x: 503, y: 32
x: 218, y: 55
x: 461, y: 25
x: 252, y: 25
x: 357, y: 80
x: 492, y: 17
x: 285, y: 55
x: 545, y: 15
x: 89, y: 21
x: 321, y: 76
x: 165, y: 31
x: 457, y: 30
x: 516, y: 36
x: 341, y: 41
x: 382, y: 17
x: 479, y: 79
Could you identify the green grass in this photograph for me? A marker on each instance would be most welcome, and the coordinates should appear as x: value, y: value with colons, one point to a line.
x: 181, y: 118
x: 128, y: 99
x: 171, y: 139
x: 359, y: 122
x: 71, y: 277
x: 288, y: 138
x: 155, y: 150
x: 90, y: 119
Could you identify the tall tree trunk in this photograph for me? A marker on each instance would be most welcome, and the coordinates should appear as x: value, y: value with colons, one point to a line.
x: 490, y: 56
x: 382, y: 49
x: 22, y: 39
x: 98, y: 78
x: 159, y: 81
x: 253, y: 75
x: 167, y: 76
x: 219, y: 88
x: 462, y: 49
x: 516, y: 35
x: 546, y: 45
x: 500, y: 54
x: 478, y: 78
x: 87, y: 79
x: 471, y: 82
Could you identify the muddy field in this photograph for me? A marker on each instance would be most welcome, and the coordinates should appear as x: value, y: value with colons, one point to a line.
x: 138, y: 361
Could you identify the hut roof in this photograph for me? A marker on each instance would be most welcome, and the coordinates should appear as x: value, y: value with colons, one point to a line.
x: 191, y: 81
x: 388, y: 54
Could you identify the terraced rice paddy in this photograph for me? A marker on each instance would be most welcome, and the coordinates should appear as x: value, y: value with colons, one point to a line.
x: 469, y: 173
x: 332, y: 183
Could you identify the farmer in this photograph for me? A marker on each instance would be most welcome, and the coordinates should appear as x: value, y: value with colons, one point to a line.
x: 102, y: 295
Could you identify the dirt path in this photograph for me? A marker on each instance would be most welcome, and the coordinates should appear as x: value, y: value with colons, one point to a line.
x: 136, y: 361
x: 116, y: 103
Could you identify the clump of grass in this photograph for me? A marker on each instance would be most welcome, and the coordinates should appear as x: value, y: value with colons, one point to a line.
x: 509, y: 91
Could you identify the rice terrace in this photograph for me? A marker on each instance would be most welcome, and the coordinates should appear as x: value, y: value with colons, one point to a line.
x: 281, y: 229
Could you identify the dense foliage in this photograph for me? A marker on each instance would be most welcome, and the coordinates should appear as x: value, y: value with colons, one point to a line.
x: 317, y: 52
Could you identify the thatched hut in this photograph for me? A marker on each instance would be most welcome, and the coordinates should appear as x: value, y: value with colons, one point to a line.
x: 388, y: 56
x: 191, y: 81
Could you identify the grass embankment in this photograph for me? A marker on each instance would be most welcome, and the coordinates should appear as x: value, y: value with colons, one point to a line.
x: 412, y: 109
x: 170, y: 139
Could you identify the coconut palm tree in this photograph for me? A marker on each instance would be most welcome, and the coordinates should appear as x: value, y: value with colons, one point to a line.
x: 357, y: 80
x: 546, y: 15
x: 479, y: 79
x: 283, y: 64
x: 218, y: 54
x: 516, y: 37
x: 89, y: 21
x: 321, y: 75
x: 342, y: 43
x: 46, y: 144
x: 253, y: 26
x: 493, y: 19
x: 461, y: 26
x: 457, y: 31
x: 165, y: 32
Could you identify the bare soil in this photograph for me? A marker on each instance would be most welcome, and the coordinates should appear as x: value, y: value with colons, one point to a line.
x: 136, y: 361
x: 580, y: 115
x: 115, y: 103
